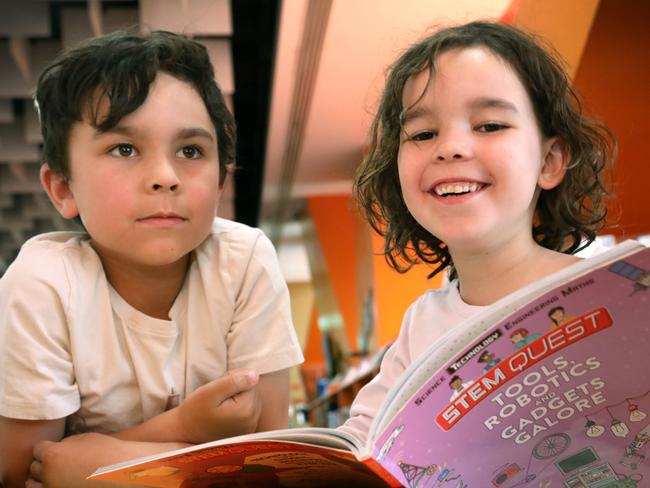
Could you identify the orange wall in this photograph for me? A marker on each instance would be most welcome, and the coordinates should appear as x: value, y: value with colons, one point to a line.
x: 614, y: 79
x: 394, y: 292
x: 336, y: 228
x: 339, y: 231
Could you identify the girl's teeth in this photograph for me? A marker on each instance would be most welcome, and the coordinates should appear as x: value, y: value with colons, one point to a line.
x: 455, y: 188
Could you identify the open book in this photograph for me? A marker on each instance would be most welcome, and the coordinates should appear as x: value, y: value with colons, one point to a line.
x: 549, y: 387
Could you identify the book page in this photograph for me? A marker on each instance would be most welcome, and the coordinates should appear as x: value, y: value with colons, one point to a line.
x: 555, y: 394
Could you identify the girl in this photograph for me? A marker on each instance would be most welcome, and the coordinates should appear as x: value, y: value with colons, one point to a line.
x: 480, y: 163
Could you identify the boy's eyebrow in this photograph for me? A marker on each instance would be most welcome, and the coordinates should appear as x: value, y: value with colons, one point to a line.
x: 127, y: 130
x: 194, y: 132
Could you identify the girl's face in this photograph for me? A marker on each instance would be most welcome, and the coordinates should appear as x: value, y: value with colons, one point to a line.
x: 472, y: 159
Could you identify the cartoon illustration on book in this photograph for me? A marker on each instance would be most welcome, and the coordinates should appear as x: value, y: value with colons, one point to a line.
x: 547, y: 449
x: 585, y: 469
x: 506, y: 473
x: 490, y: 360
x: 594, y: 429
x: 385, y: 449
x: 632, y: 456
x: 559, y: 317
x: 521, y: 338
x: 415, y: 475
x: 457, y: 385
x: 640, y: 277
x: 158, y: 471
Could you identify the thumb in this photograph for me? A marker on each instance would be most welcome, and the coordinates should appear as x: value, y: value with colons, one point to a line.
x: 236, y: 381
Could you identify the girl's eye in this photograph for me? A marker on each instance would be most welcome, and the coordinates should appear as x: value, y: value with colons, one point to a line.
x: 423, y: 136
x: 190, y: 152
x: 491, y: 127
x: 123, y: 151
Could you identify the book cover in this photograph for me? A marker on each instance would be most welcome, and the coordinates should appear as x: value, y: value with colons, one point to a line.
x: 556, y: 394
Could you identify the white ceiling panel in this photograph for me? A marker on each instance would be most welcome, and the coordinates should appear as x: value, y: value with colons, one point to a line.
x: 191, y: 17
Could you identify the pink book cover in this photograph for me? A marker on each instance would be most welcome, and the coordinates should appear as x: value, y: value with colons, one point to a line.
x: 555, y: 395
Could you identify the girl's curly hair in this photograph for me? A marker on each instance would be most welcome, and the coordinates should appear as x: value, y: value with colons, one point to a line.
x: 567, y: 217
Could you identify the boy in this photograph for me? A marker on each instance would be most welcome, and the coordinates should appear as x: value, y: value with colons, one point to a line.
x: 113, y: 338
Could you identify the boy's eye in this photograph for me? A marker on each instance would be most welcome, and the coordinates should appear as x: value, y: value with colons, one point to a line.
x: 491, y: 127
x: 189, y: 152
x: 123, y: 151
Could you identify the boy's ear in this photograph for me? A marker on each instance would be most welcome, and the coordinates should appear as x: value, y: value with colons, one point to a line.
x: 554, y: 163
x: 58, y: 189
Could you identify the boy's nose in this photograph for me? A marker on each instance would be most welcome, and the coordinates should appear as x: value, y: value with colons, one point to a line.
x: 163, y: 177
x: 159, y: 186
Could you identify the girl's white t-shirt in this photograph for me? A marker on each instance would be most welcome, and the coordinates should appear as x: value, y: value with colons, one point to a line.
x: 430, y: 317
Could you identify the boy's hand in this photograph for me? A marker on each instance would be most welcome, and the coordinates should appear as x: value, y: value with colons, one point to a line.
x: 66, y: 464
x: 225, y: 407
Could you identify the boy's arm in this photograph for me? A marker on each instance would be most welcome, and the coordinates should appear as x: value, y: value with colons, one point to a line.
x: 225, y: 407
x: 274, y: 394
x: 66, y: 464
x: 17, y: 441
x: 221, y: 408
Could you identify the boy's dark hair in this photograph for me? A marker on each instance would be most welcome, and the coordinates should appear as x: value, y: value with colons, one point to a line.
x: 567, y: 217
x: 121, y: 67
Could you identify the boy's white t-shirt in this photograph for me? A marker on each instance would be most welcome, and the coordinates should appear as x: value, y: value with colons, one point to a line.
x: 70, y: 346
x: 427, y: 319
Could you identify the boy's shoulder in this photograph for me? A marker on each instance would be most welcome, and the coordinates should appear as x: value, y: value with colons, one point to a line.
x: 228, y: 237
x: 50, y: 256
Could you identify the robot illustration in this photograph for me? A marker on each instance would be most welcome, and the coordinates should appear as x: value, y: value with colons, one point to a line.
x: 640, y: 277
x: 632, y: 456
x: 389, y: 442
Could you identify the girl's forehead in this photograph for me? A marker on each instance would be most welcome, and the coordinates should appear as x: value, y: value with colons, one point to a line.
x: 465, y: 72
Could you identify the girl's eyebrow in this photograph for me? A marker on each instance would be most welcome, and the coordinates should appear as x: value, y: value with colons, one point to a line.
x: 475, y: 104
x: 414, y: 113
x: 487, y: 102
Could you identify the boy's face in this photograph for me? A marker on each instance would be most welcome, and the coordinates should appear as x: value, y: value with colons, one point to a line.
x: 147, y: 190
x: 471, y: 157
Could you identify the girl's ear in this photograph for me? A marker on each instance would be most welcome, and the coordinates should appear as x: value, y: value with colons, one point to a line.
x: 58, y: 189
x: 554, y: 163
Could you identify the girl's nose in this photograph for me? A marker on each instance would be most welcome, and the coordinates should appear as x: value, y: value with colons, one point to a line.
x: 452, y: 147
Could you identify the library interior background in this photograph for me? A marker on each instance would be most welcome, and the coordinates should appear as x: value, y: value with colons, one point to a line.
x: 302, y: 78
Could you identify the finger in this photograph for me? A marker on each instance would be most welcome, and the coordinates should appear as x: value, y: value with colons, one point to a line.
x: 32, y: 483
x: 40, y: 448
x: 36, y: 470
x: 232, y: 384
